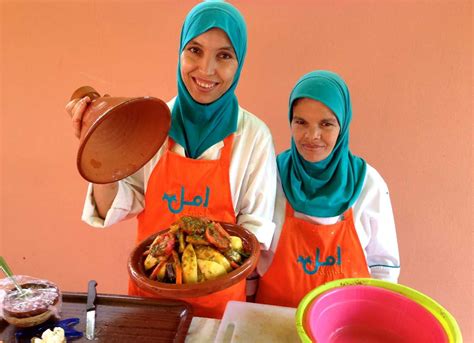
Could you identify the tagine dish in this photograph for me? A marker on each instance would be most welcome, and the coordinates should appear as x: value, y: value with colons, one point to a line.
x: 193, y: 250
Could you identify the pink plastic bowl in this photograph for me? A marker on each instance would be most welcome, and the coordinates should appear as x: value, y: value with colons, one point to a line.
x: 370, y: 314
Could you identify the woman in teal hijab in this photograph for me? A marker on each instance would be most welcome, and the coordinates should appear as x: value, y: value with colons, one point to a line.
x: 197, y: 126
x: 328, y: 187
x: 218, y: 161
x: 333, y: 213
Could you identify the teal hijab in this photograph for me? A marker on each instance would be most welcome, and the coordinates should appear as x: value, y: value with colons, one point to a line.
x: 329, y: 187
x: 199, y: 126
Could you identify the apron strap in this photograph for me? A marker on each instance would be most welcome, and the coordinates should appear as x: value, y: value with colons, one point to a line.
x: 227, y: 149
x: 290, y: 212
x: 347, y: 214
x: 170, y: 143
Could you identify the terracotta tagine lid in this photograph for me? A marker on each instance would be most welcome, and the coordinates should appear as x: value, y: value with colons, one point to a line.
x: 119, y: 135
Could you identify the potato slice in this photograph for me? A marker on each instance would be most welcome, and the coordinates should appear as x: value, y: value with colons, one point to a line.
x: 236, y: 243
x: 161, y: 273
x: 210, y: 269
x: 150, y: 262
x: 210, y: 254
x: 181, y: 242
x: 201, y: 277
x: 189, y: 264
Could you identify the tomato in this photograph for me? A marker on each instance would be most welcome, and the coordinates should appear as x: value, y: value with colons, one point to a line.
x: 163, y: 245
x: 217, y: 236
x: 193, y: 225
x: 196, y: 240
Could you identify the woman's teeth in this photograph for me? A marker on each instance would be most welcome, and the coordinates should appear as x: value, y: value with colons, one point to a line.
x: 205, y: 84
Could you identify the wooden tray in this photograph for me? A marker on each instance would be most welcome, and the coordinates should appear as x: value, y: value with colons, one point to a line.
x: 123, y: 319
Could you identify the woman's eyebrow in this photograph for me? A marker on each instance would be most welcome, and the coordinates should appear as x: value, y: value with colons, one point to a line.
x: 228, y: 48
x: 194, y: 42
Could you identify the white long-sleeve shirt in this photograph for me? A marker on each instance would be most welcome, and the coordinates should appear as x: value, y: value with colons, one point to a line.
x: 374, y: 224
x: 252, y: 175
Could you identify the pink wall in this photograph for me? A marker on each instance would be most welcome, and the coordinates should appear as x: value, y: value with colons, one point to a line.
x: 408, y: 65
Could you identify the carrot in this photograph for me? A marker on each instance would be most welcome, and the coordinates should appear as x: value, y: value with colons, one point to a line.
x: 158, y: 267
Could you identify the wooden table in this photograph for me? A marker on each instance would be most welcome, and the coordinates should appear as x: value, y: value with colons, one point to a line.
x: 123, y: 319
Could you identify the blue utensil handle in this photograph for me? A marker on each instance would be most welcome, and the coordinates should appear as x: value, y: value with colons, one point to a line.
x: 36, y: 331
x: 91, y: 295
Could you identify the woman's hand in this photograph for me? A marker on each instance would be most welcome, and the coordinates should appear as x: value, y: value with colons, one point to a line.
x: 104, y: 195
x: 76, y: 109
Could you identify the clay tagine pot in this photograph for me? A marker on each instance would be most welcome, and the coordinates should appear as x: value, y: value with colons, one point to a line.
x: 119, y: 135
x: 138, y: 275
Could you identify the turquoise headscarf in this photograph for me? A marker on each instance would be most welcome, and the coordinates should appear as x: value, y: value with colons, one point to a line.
x: 198, y: 126
x: 329, y: 187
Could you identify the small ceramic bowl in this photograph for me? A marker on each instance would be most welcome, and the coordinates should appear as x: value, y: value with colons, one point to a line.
x: 41, y: 301
x: 369, y: 310
x: 166, y: 290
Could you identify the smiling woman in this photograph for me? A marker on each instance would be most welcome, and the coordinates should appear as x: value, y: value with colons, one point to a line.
x: 333, y: 212
x: 410, y: 80
x: 208, y: 66
x: 217, y: 154
x: 314, y: 128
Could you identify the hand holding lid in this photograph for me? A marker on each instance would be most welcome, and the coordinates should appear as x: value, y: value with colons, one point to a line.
x: 118, y: 135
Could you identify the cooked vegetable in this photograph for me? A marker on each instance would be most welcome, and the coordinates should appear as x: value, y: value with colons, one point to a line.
x: 181, y: 241
x: 233, y: 255
x: 170, y: 273
x: 157, y: 273
x: 207, y: 253
x: 236, y: 243
x: 177, y: 268
x: 210, y: 269
x: 193, y: 225
x: 217, y: 236
x: 197, y: 240
x: 201, y: 277
x: 189, y: 264
x: 150, y: 262
x: 174, y: 228
x: 161, y: 273
x: 193, y: 250
x: 163, y: 245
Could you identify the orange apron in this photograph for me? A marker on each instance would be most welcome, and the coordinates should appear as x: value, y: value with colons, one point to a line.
x: 309, y: 255
x: 180, y: 186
